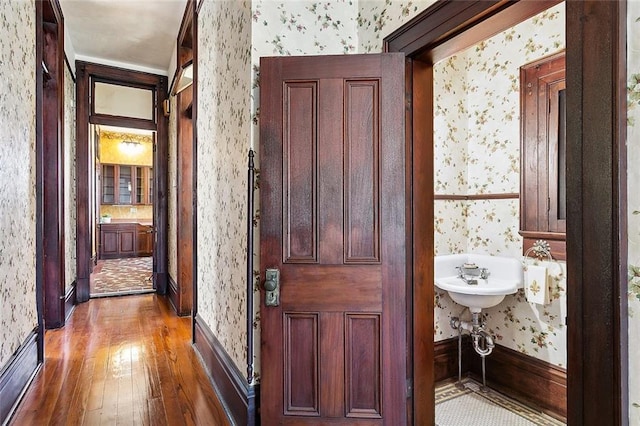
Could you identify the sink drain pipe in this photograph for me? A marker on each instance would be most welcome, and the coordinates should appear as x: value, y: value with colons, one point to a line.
x: 482, y: 342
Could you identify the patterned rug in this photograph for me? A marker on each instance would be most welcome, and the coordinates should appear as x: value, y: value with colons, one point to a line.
x: 471, y: 406
x: 113, y: 277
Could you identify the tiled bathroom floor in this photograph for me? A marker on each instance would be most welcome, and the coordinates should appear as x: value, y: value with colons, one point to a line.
x: 472, y: 407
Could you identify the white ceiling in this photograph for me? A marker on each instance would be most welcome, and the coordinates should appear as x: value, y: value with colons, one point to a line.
x: 138, y: 34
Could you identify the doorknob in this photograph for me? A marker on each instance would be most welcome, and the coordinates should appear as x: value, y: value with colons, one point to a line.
x: 272, y: 287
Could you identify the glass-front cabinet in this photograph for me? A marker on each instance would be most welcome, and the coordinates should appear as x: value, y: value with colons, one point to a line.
x: 126, y: 185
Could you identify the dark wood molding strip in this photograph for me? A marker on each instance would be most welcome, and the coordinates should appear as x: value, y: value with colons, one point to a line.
x: 172, y: 292
x: 17, y: 374
x: 70, y: 301
x: 451, y: 26
x: 505, y: 196
x: 250, y: 284
x: 119, y: 121
x: 239, y: 399
x: 597, y: 305
x: 517, y: 375
x: 446, y: 358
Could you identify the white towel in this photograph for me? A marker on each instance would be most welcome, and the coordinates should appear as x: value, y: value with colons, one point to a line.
x: 537, y: 285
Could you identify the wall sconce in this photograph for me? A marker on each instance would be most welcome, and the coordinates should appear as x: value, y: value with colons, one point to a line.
x: 131, y: 147
x: 166, y: 107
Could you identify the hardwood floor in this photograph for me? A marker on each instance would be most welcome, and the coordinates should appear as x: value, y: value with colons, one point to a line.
x: 123, y: 360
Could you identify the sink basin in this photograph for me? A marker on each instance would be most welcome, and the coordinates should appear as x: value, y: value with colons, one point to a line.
x: 505, y: 276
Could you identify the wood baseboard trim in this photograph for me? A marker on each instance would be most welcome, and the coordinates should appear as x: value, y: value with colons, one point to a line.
x: 172, y: 292
x: 70, y: 301
x: 446, y: 358
x: 239, y: 399
x: 161, y: 282
x: 17, y: 374
x: 529, y: 380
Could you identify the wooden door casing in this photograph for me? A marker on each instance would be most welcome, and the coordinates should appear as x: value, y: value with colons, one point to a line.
x: 333, y: 222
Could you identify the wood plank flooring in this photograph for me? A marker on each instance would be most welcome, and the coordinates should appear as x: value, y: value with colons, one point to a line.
x: 121, y: 360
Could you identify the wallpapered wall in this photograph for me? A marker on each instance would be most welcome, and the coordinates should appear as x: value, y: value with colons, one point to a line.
x: 18, y: 316
x: 633, y: 191
x: 69, y: 178
x: 224, y: 71
x: 477, y: 140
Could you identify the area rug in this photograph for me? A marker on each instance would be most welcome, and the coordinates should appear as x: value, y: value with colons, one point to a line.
x: 114, y: 277
x: 471, y: 406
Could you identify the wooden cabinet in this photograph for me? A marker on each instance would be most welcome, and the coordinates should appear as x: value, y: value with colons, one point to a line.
x: 125, y: 184
x: 144, y: 240
x: 543, y: 205
x: 125, y: 240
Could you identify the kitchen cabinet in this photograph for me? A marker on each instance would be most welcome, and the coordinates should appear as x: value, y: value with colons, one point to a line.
x: 119, y: 240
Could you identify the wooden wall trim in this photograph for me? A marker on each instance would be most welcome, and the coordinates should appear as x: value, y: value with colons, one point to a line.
x: 420, y: 242
x: 450, y: 26
x: 17, y: 374
x: 474, y: 197
x: 510, y: 372
x: 446, y: 358
x: 516, y: 375
x: 239, y: 400
x: 596, y: 225
x: 50, y: 160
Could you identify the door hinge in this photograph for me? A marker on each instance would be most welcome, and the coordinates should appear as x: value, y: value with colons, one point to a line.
x: 548, y: 204
x: 409, y: 388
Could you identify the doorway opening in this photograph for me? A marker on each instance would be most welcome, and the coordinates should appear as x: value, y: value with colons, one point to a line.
x: 121, y: 161
x: 123, y: 184
x: 595, y: 130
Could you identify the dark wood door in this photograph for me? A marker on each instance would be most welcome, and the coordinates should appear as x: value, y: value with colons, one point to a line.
x: 333, y: 223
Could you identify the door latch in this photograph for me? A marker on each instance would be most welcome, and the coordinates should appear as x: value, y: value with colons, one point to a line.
x: 272, y: 287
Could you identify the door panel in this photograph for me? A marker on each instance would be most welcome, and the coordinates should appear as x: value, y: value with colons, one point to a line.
x: 333, y: 222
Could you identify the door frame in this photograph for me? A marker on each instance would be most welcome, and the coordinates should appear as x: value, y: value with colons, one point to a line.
x: 50, y: 243
x: 85, y: 73
x: 597, y: 343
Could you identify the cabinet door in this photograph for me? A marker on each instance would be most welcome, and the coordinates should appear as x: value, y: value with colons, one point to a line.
x: 145, y: 241
x: 141, y: 193
x: 109, y: 240
x: 127, y: 239
x: 150, y: 184
x: 108, y: 184
x: 124, y: 184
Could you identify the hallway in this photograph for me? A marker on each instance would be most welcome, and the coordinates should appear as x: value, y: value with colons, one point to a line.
x: 121, y: 360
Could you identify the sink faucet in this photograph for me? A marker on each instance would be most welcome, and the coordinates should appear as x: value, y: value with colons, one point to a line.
x: 463, y: 277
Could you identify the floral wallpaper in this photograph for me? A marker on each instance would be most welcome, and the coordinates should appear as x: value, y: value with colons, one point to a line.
x: 69, y: 179
x: 477, y: 151
x: 379, y: 18
x: 633, y: 200
x: 172, y: 198
x: 224, y: 72
x: 18, y: 316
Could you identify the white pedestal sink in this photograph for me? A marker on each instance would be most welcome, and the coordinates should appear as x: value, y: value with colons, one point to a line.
x: 505, y: 276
